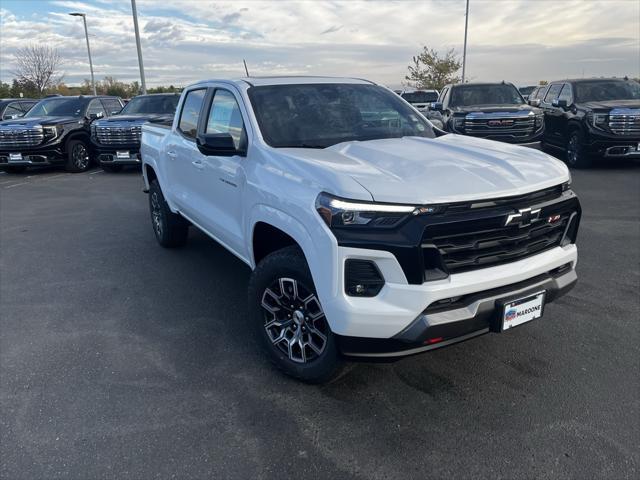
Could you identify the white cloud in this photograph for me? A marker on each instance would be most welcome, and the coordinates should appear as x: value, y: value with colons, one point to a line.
x: 515, y: 40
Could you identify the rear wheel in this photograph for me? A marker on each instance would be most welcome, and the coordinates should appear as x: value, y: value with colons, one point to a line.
x: 290, y: 323
x: 78, y: 157
x: 170, y: 229
x: 111, y: 168
x: 577, y: 157
x: 15, y: 169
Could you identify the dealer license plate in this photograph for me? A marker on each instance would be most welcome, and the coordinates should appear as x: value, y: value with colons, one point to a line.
x: 522, y: 310
x: 122, y: 155
x: 15, y: 157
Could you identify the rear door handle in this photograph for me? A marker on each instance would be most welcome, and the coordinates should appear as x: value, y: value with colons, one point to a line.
x: 171, y: 154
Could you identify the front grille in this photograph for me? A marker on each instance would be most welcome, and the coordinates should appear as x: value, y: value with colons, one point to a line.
x: 18, y: 136
x: 463, y: 241
x: 119, y: 134
x: 489, y: 125
x: 491, y: 247
x: 625, y: 124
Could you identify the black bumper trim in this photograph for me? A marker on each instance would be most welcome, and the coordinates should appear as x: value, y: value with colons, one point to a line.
x: 439, y: 323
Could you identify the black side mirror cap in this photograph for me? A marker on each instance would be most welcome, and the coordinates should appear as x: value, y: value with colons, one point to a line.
x: 535, y: 102
x: 437, y: 106
x: 218, y: 145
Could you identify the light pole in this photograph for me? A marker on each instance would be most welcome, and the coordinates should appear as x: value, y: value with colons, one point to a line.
x: 86, y: 34
x: 464, y: 51
x: 139, y: 47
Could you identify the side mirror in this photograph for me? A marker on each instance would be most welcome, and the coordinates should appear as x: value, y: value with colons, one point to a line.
x: 535, y: 102
x: 12, y: 117
x: 94, y: 116
x: 218, y: 145
x: 437, y: 106
x: 559, y: 103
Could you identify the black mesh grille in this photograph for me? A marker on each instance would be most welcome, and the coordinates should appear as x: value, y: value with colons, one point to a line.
x: 492, y: 246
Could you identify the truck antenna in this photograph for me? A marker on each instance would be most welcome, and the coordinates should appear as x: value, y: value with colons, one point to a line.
x: 245, y: 67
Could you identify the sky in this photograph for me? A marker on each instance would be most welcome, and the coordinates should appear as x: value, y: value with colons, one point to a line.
x: 522, y: 41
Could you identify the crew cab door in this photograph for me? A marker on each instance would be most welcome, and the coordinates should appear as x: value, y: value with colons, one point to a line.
x: 552, y: 116
x: 222, y: 178
x: 181, y: 154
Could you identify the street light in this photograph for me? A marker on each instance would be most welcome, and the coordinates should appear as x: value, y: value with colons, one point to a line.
x: 464, y: 51
x: 86, y: 34
x: 134, y: 11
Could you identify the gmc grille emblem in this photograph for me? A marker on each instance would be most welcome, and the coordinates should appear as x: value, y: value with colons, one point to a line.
x: 500, y: 123
x: 523, y: 218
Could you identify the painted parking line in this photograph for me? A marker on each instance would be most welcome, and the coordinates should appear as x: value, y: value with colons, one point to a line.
x: 97, y: 171
x: 17, y: 184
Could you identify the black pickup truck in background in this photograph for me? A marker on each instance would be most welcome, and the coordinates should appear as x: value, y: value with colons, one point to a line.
x: 593, y: 118
x: 56, y: 131
x: 117, y: 139
x: 495, y: 111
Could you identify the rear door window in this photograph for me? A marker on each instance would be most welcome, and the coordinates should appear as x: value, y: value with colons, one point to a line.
x: 190, y: 113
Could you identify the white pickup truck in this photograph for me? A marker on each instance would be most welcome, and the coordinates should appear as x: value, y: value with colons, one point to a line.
x: 369, y: 233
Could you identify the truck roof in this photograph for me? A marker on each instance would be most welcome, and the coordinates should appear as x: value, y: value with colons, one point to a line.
x: 287, y: 80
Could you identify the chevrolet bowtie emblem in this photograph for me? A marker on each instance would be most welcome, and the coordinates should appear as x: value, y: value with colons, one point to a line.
x: 523, y: 218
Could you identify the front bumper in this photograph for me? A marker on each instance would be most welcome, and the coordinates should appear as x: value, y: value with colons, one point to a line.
x: 111, y: 158
x: 33, y: 157
x: 446, y: 322
x: 399, y: 304
x: 607, y: 145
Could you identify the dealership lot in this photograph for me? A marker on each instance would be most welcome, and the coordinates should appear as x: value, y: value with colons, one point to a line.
x: 120, y: 359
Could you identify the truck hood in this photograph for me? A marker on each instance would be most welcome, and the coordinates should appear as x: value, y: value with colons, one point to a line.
x: 32, y: 121
x: 146, y: 117
x: 610, y: 104
x: 495, y: 109
x: 451, y: 168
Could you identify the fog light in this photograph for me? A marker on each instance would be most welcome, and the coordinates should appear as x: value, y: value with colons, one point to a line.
x: 362, y: 278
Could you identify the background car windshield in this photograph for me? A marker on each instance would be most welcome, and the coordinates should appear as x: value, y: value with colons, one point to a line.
x: 321, y: 115
x: 420, y: 97
x: 526, y: 90
x: 485, y: 95
x: 602, y: 91
x: 158, y: 105
x: 57, y: 107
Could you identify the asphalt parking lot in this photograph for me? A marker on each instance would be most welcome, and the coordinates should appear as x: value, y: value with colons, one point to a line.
x: 119, y: 359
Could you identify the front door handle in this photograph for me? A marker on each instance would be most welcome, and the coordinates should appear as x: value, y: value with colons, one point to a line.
x: 171, y: 154
x: 198, y: 164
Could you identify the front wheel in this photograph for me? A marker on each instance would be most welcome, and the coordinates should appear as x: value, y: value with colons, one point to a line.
x: 290, y: 323
x: 577, y: 157
x: 78, y: 157
x: 170, y: 229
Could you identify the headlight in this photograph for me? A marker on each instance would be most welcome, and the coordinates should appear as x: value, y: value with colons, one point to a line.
x: 598, y: 120
x: 50, y: 132
x: 539, y: 120
x: 458, y: 123
x: 337, y: 212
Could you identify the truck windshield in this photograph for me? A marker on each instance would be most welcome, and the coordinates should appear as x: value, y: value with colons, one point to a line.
x: 161, y: 104
x: 420, y: 97
x: 58, y: 107
x: 321, y: 115
x: 499, y: 94
x: 603, y: 90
